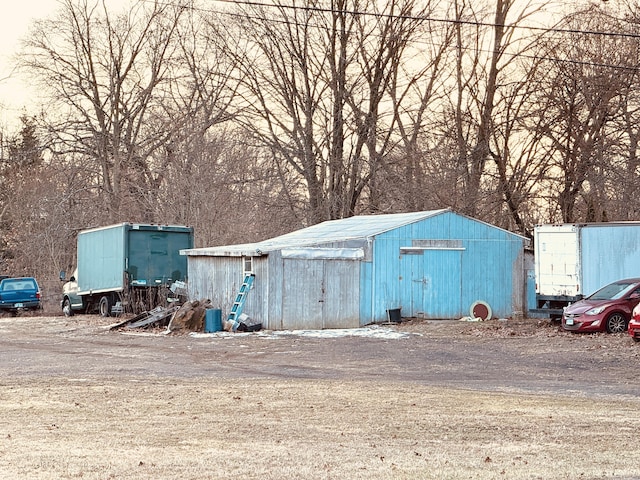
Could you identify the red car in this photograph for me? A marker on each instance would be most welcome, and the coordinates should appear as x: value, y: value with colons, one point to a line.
x: 634, y: 324
x: 607, y: 310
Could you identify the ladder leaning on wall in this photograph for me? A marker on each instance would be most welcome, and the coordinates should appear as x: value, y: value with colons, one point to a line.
x: 236, y: 308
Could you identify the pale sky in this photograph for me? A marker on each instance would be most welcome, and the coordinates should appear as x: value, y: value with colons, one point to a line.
x: 14, y: 24
x: 15, y: 18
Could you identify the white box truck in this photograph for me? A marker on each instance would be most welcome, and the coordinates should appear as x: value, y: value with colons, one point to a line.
x: 574, y: 260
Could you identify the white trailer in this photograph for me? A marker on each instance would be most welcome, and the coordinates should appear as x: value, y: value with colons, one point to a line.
x: 574, y: 260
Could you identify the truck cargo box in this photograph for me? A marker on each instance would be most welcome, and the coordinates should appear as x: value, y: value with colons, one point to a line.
x: 149, y: 254
x: 116, y: 260
x: 574, y: 260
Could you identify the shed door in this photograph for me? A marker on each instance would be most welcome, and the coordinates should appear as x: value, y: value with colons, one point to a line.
x: 320, y: 294
x: 303, y: 294
x: 341, y: 308
x: 431, y: 285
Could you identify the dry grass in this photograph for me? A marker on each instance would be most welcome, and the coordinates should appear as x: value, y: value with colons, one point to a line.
x: 136, y: 428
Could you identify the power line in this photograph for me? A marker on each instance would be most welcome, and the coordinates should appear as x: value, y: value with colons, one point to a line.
x: 430, y: 19
x: 288, y: 22
x: 448, y: 21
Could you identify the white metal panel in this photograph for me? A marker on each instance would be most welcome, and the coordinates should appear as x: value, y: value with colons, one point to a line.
x: 557, y: 257
x: 324, y: 253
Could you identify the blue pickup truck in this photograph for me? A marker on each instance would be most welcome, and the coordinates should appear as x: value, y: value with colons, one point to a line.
x: 20, y: 293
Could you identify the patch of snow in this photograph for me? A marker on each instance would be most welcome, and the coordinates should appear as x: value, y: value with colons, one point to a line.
x: 368, y: 332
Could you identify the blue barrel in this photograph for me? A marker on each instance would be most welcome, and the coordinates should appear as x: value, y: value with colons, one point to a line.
x: 213, y: 320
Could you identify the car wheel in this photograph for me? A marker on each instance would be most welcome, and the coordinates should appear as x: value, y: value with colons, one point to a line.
x: 616, y: 323
x: 636, y: 339
x: 105, y: 307
x: 66, y: 308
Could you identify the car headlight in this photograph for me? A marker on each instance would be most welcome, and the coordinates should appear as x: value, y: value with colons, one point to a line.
x: 595, y: 311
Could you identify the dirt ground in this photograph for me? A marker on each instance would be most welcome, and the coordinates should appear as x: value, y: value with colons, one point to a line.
x: 422, y: 399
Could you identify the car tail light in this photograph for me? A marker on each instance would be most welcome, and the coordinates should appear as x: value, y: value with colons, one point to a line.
x: 38, y: 295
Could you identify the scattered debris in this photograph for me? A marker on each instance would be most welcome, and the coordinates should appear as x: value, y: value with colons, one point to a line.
x: 190, y: 317
x: 247, y: 324
x: 156, y: 317
x: 178, y: 292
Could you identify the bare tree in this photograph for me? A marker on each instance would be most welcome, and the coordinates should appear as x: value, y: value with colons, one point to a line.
x: 624, y: 132
x: 382, y: 47
x: 466, y: 144
x: 587, y: 74
x: 229, y: 193
x: 484, y: 68
x: 107, y: 75
x: 418, y: 174
x: 315, y: 84
x: 196, y: 164
x: 35, y: 235
x: 519, y: 165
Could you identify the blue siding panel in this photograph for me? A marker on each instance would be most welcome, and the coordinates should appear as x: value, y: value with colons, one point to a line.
x: 599, y: 268
x: 444, y: 282
x: 367, y: 293
x: 386, y: 273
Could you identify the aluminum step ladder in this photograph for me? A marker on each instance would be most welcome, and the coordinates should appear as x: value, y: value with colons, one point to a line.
x: 236, y: 308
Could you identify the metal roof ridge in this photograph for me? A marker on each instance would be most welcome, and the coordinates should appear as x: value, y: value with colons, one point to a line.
x: 297, y: 238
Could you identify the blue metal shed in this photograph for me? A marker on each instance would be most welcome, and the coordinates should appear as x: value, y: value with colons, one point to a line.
x: 351, y: 272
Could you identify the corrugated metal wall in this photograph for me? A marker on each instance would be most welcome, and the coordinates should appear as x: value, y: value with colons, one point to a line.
x: 302, y: 294
x: 600, y: 265
x: 320, y: 293
x: 434, y: 268
x: 312, y: 293
x: 219, y: 279
x: 465, y: 261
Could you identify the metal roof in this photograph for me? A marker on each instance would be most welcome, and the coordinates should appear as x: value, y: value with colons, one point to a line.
x: 357, y: 227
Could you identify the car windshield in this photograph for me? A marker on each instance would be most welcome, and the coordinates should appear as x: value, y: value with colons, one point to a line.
x: 613, y: 291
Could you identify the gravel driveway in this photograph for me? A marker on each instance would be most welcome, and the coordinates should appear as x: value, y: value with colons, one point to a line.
x: 526, y: 356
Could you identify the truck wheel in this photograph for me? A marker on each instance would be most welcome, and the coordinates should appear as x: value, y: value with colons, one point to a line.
x: 66, y: 308
x: 616, y: 323
x: 105, y: 306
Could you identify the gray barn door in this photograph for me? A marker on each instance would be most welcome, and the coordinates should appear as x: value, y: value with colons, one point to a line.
x: 341, y: 308
x: 320, y: 294
x: 302, y: 294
